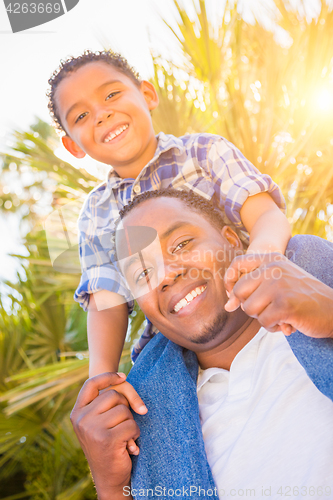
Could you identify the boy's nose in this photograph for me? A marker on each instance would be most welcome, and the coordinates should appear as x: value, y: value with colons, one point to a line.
x: 102, y: 116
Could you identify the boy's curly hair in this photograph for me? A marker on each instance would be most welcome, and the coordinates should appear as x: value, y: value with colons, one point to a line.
x: 72, y: 64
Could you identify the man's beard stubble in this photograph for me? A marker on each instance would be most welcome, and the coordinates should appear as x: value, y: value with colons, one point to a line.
x: 210, y: 332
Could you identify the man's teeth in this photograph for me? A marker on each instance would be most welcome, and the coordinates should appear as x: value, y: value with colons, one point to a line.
x: 111, y: 136
x: 189, y: 297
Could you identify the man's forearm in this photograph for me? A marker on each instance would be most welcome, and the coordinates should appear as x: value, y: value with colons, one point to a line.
x: 104, y: 425
x: 105, y: 493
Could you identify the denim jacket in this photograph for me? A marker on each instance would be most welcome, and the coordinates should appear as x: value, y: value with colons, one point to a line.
x: 172, y: 460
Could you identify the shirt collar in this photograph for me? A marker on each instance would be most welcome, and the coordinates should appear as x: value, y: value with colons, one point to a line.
x: 238, y: 366
x: 165, y: 142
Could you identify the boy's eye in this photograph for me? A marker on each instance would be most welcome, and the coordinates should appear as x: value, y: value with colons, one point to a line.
x: 181, y: 245
x: 111, y: 95
x: 80, y: 117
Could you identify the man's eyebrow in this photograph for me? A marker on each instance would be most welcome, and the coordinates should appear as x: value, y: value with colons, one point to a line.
x: 173, y: 228
x: 106, y: 84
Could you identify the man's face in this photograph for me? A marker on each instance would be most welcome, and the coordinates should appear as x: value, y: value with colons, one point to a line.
x: 106, y: 115
x: 187, y: 304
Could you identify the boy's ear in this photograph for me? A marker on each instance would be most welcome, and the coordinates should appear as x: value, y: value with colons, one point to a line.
x: 72, y: 147
x: 149, y: 93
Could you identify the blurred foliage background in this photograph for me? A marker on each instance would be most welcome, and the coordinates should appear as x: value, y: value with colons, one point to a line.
x: 265, y: 86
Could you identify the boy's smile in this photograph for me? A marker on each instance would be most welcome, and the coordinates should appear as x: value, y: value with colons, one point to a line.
x: 107, y: 116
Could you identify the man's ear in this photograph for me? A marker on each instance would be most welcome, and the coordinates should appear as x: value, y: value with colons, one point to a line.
x: 72, y: 147
x: 149, y: 93
x: 232, y: 237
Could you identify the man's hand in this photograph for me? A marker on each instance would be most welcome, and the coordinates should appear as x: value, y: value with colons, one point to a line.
x: 135, y: 403
x: 279, y: 293
x: 104, y: 425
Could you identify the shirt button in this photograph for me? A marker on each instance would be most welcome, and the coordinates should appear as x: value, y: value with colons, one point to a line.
x: 137, y: 189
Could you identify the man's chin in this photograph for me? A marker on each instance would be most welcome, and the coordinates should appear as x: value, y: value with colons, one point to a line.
x: 211, y: 331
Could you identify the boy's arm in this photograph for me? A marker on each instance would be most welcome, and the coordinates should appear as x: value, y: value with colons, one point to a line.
x: 269, y: 232
x: 107, y: 326
x: 268, y: 227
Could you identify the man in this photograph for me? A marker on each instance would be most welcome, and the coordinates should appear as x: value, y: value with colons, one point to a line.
x: 263, y: 424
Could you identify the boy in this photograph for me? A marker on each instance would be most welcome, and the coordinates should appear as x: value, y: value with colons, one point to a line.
x: 103, y: 108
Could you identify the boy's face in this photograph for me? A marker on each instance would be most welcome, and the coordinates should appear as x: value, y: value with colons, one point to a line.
x: 107, y: 116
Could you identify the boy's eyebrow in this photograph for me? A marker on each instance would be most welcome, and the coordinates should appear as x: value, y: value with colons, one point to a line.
x: 106, y: 84
x: 110, y: 82
x: 71, y: 108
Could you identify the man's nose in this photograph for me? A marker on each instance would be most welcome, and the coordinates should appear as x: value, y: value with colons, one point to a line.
x: 173, y: 273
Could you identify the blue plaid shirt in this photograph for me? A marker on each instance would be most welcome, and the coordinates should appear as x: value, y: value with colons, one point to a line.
x: 207, y: 164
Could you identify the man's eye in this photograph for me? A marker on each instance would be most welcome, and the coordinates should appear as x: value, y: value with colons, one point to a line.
x: 80, y: 117
x: 181, y: 245
x: 111, y: 95
x: 144, y: 274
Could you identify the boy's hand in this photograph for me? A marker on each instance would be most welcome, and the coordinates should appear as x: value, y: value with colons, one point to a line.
x: 241, y: 265
x: 246, y: 264
x: 135, y: 402
x: 104, y: 425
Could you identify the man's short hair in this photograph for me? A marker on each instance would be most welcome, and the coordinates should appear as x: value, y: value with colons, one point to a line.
x: 192, y: 200
x: 72, y: 64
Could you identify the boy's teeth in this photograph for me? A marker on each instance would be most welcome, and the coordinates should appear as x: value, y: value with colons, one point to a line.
x: 109, y: 137
x: 189, y: 297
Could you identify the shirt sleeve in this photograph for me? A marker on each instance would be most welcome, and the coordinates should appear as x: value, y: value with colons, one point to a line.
x: 97, y: 259
x: 235, y: 179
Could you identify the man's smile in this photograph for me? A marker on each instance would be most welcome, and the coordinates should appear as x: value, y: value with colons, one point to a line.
x: 187, y: 299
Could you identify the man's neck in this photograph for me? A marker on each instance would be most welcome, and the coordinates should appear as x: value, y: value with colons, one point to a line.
x: 223, y: 355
